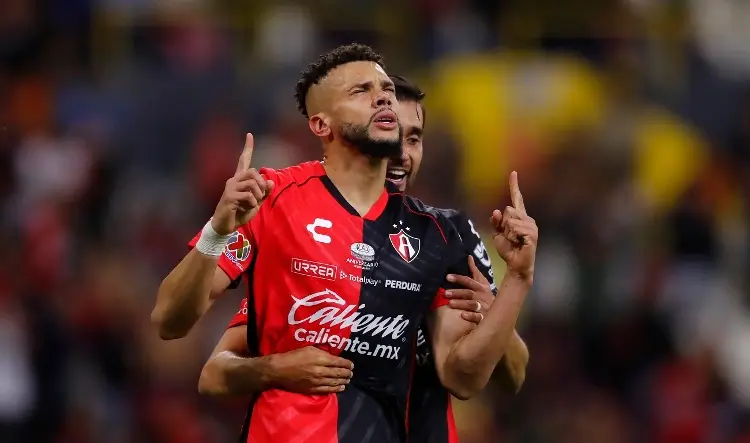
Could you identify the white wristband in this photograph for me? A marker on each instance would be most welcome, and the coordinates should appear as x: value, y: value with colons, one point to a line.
x: 211, y: 242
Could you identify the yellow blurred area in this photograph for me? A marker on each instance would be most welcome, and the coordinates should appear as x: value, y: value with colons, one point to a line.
x: 509, y: 109
x: 668, y: 157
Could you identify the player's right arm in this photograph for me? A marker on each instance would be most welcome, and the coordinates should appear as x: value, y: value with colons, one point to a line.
x: 231, y: 370
x: 187, y: 292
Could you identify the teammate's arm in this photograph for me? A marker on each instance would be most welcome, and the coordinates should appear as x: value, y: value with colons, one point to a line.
x: 465, y: 354
x: 475, y: 294
x: 513, y: 364
x: 187, y: 292
x: 231, y: 370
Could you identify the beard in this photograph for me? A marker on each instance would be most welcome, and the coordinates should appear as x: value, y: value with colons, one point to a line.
x: 359, y: 137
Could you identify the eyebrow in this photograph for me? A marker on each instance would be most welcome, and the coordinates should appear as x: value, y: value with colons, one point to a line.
x: 415, y: 130
x: 368, y: 85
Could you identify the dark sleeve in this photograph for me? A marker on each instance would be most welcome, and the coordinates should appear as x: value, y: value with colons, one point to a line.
x: 474, y: 246
x: 456, y: 263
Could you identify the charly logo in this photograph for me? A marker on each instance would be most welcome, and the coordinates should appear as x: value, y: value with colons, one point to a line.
x: 320, y: 223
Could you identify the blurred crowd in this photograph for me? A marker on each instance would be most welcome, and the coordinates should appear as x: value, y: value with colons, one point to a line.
x: 628, y: 121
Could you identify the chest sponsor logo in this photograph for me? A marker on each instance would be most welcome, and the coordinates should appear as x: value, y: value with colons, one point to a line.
x: 237, y: 249
x: 327, y: 320
x: 314, y: 269
x: 406, y: 245
x: 317, y: 227
x: 359, y: 279
x: 403, y: 285
x: 363, y: 256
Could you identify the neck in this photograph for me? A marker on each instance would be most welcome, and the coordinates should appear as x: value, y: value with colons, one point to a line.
x: 360, y: 179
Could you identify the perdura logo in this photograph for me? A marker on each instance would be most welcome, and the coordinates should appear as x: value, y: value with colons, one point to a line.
x: 403, y: 285
x: 323, y: 318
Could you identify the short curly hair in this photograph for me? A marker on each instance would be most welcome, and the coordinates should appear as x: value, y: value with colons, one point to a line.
x: 317, y: 70
x: 406, y: 90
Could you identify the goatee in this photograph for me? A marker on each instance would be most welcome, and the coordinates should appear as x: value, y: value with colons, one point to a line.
x: 359, y: 137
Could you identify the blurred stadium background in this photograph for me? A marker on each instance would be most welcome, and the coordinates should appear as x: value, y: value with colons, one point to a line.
x: 629, y: 122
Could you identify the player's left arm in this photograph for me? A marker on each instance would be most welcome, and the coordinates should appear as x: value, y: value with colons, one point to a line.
x: 466, y: 354
x: 477, y: 293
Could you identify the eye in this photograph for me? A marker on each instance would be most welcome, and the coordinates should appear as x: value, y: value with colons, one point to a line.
x: 412, y: 140
x: 358, y: 91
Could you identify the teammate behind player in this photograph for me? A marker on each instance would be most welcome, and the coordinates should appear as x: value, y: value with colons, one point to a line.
x: 232, y: 371
x: 359, y: 290
x: 430, y: 412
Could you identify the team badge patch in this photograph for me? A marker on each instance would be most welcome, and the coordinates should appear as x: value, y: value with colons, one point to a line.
x: 406, y: 245
x: 238, y: 248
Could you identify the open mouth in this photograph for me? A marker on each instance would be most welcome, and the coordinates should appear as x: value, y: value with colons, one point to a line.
x: 396, y: 176
x: 386, y: 120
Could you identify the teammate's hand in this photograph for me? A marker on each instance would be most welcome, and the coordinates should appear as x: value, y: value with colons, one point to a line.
x: 516, y: 234
x: 474, y: 298
x: 243, y: 194
x: 310, y: 370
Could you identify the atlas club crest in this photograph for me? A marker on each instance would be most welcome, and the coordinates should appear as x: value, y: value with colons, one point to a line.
x: 406, y: 245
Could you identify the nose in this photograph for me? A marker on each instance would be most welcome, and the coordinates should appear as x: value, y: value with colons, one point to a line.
x: 404, y: 157
x: 382, y: 99
x: 403, y: 160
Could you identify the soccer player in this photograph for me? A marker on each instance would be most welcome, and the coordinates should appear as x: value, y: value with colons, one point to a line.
x: 335, y: 261
x: 430, y: 413
x: 231, y: 371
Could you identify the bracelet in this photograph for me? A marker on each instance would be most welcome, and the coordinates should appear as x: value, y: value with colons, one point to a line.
x: 211, y: 243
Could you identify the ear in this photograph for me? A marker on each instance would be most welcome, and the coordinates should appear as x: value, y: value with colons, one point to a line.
x: 320, y: 125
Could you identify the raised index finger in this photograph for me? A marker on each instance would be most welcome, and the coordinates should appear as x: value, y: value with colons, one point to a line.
x: 247, y: 154
x: 515, y: 193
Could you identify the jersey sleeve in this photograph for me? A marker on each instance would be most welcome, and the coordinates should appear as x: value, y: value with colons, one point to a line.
x: 243, y: 243
x: 474, y: 246
x: 240, y: 318
x: 457, y: 261
x: 238, y: 253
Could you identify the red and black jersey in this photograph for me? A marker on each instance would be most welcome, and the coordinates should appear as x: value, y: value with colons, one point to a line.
x: 430, y: 413
x: 320, y: 274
